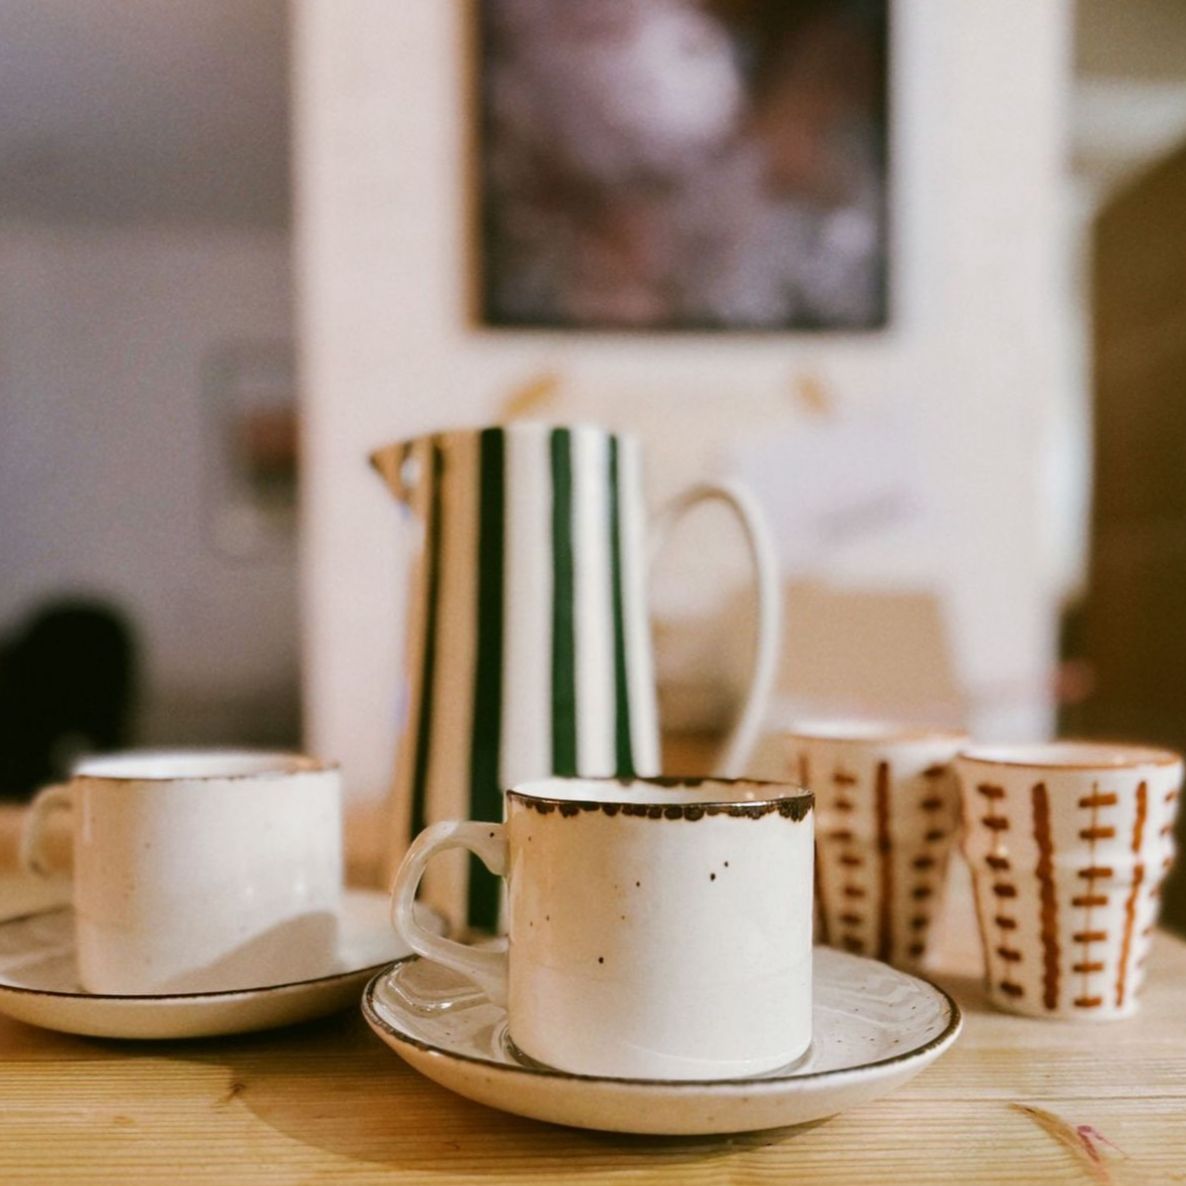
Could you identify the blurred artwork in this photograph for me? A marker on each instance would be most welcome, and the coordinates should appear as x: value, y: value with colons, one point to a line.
x: 251, y: 387
x: 683, y: 164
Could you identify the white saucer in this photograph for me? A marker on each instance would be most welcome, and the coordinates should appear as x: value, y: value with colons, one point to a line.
x: 39, y: 982
x: 873, y: 1029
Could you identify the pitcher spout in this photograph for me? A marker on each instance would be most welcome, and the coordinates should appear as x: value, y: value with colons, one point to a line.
x: 397, y: 465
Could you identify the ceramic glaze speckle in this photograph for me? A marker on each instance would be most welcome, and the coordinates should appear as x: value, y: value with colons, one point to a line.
x: 887, y: 801
x: 1068, y: 846
x: 873, y: 1029
x: 642, y: 943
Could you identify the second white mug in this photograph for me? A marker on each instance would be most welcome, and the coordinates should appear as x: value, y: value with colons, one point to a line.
x: 200, y: 871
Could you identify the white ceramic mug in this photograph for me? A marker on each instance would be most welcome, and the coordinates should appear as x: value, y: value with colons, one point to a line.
x: 199, y: 871
x: 1068, y: 843
x: 658, y: 929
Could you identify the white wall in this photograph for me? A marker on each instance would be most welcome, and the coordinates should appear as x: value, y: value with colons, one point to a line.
x: 105, y: 452
x: 979, y: 343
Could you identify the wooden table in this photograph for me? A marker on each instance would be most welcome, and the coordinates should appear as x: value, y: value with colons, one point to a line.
x: 1016, y: 1101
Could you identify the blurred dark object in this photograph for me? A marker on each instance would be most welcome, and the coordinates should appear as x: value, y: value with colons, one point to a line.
x: 67, y: 684
x: 1131, y: 626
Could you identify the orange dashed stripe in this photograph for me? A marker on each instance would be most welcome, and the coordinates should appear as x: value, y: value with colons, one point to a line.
x: 1040, y: 803
x: 885, y: 913
x: 1130, y: 905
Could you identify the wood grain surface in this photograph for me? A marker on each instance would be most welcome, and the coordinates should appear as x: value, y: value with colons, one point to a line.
x: 1016, y: 1101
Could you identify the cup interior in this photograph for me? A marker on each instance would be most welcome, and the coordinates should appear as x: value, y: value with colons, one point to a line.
x: 868, y: 732
x: 649, y: 792
x: 168, y: 765
x: 1070, y: 755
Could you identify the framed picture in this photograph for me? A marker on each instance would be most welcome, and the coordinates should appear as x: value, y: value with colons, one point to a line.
x: 683, y: 164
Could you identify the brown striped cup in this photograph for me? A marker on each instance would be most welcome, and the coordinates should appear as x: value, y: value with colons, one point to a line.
x: 1069, y: 843
x: 887, y: 811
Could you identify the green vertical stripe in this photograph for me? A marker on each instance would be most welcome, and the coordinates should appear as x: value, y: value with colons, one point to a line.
x: 624, y: 749
x: 485, y: 797
x: 432, y: 562
x: 564, y: 691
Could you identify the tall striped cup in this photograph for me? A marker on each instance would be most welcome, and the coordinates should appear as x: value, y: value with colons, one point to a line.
x: 528, y: 650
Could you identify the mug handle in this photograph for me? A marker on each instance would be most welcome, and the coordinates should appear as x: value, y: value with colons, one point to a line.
x: 58, y: 797
x: 486, y: 967
x: 741, y: 501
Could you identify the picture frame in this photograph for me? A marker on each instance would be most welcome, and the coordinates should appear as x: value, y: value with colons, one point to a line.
x: 681, y: 165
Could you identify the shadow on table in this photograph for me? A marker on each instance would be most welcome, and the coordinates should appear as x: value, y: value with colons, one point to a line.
x: 333, y: 1086
x: 968, y: 991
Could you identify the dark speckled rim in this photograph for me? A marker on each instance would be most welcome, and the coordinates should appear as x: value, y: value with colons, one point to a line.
x: 955, y: 1021
x: 786, y: 799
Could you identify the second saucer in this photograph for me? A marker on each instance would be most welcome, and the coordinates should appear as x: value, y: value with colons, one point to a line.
x: 39, y: 981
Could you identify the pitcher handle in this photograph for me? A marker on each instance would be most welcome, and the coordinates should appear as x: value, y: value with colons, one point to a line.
x: 741, y: 501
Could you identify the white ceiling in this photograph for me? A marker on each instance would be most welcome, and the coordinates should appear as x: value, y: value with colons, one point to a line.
x: 144, y: 110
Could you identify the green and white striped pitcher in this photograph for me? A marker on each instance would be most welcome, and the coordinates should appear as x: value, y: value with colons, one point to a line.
x: 528, y: 646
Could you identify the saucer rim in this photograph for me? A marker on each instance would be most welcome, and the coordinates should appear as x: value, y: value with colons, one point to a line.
x: 939, y: 1042
x: 7, y: 986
